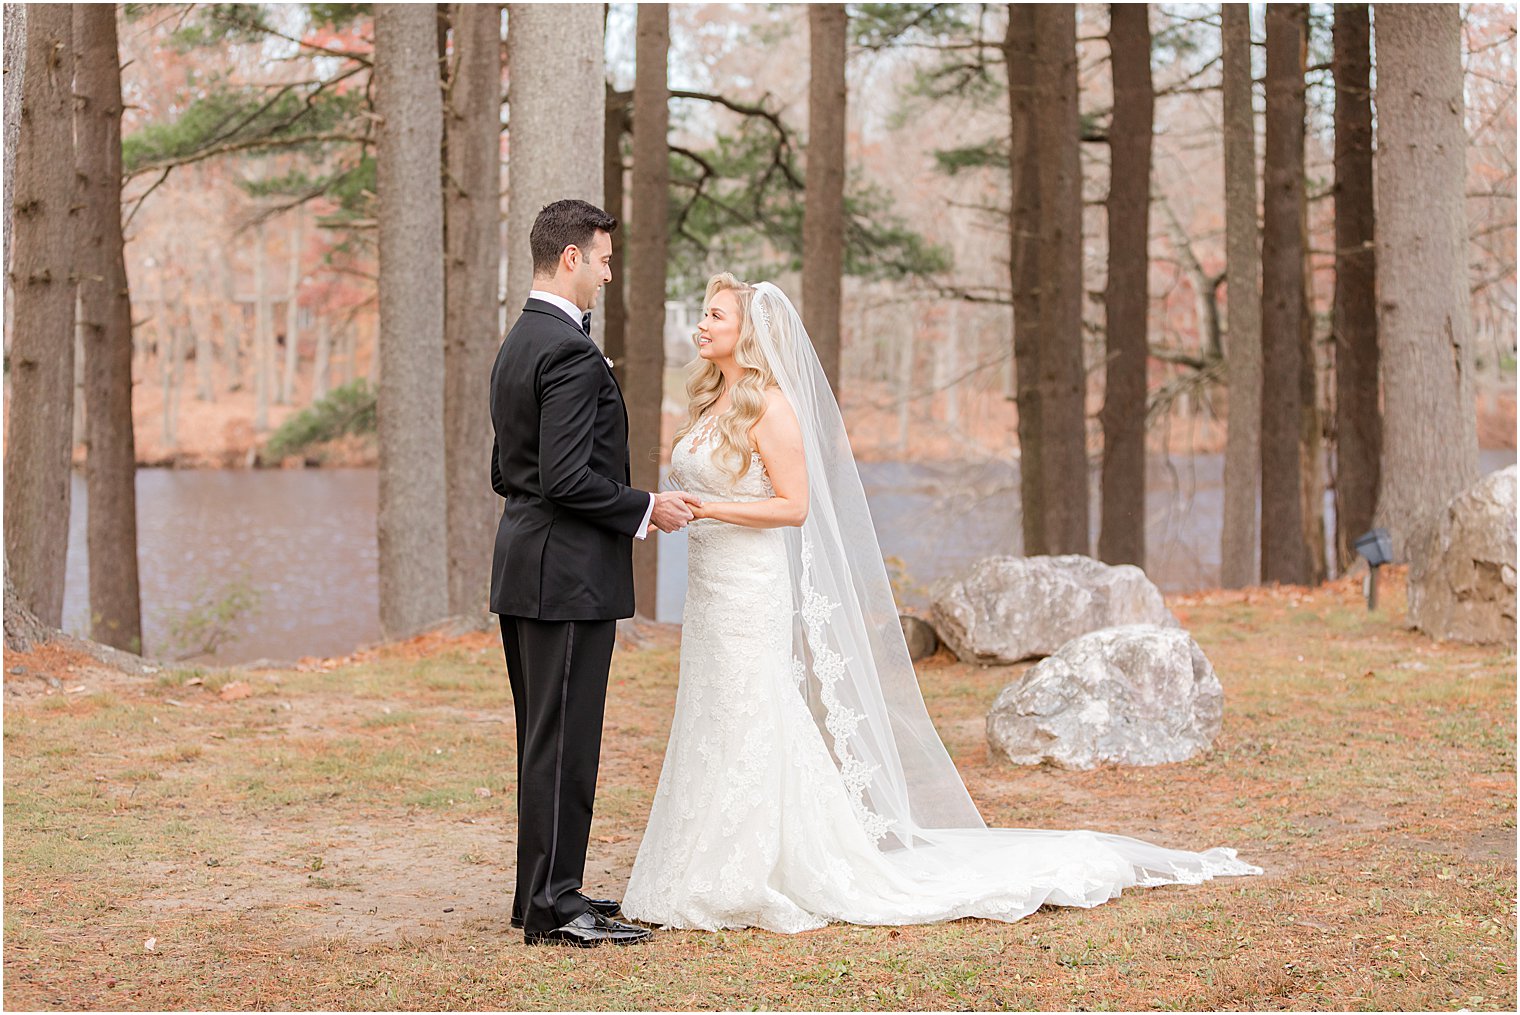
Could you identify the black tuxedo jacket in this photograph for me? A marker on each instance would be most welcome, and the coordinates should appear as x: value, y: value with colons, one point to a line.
x: 564, y: 547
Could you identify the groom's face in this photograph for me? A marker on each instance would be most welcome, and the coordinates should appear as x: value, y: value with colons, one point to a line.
x: 593, y: 270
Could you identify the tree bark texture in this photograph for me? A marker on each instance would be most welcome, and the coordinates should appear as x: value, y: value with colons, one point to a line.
x: 1122, y: 534
x: 823, y: 204
x: 557, y: 93
x: 1242, y: 457
x: 1430, y: 443
x: 472, y: 229
x: 1283, y: 305
x: 614, y: 304
x: 1358, y: 413
x: 15, y: 74
x: 292, y: 310
x: 106, y: 314
x: 648, y: 245
x: 1063, y: 416
x: 39, y: 430
x: 412, y: 518
x: 1024, y: 262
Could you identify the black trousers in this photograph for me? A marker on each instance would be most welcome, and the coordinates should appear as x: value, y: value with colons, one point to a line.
x: 558, y: 671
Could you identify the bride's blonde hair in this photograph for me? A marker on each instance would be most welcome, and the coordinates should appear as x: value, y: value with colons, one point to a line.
x: 704, y: 383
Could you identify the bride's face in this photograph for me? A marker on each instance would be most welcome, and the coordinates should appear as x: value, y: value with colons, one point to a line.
x: 718, y: 331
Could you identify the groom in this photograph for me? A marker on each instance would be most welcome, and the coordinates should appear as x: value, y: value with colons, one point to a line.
x: 562, y: 572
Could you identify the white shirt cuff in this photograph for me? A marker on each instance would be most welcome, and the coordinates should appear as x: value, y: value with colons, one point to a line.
x: 644, y: 525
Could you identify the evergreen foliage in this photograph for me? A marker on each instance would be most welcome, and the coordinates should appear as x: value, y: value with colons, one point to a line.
x: 349, y: 409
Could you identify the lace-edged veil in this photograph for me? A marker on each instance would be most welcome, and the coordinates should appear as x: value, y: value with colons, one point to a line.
x: 849, y: 655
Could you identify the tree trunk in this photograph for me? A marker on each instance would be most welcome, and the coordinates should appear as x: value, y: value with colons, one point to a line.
x: 1242, y: 456
x: 1358, y: 417
x: 200, y: 323
x: 106, y: 311
x: 262, y: 340
x: 323, y: 364
x: 292, y: 313
x: 39, y: 429
x: 472, y: 229
x: 823, y: 196
x: 15, y: 72
x: 172, y: 353
x: 648, y: 241
x: 1122, y: 535
x: 1430, y: 444
x: 231, y: 316
x: 613, y: 301
x: 1283, y: 303
x: 1063, y: 417
x: 1024, y: 266
x: 558, y: 97
x: 412, y: 517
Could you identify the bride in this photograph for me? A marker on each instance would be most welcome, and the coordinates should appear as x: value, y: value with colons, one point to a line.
x: 803, y: 781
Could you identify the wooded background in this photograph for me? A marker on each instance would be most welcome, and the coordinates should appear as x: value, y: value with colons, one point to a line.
x: 1058, y: 233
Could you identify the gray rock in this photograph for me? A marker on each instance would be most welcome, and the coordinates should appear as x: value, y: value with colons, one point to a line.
x: 1133, y: 695
x: 920, y: 636
x: 1010, y: 608
x: 1462, y: 565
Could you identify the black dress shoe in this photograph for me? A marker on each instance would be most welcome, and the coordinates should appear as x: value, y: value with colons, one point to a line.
x: 606, y: 907
x: 587, y: 931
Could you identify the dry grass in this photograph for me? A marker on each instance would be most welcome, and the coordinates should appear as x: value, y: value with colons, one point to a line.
x: 327, y: 842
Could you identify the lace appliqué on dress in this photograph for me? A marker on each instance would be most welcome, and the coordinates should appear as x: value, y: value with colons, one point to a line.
x: 841, y: 721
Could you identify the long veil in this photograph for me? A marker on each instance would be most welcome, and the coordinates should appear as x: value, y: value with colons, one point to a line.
x: 850, y: 658
x: 849, y: 654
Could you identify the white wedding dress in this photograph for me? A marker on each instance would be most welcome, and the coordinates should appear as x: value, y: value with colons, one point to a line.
x: 803, y: 782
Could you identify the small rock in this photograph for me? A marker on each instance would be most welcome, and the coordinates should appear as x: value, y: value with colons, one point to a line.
x: 920, y: 636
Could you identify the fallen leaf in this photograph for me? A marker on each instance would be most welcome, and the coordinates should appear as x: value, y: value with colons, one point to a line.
x: 235, y: 690
x: 150, y: 944
x: 482, y: 792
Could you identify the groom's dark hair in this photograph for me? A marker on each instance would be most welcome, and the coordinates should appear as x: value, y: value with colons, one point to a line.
x: 566, y: 223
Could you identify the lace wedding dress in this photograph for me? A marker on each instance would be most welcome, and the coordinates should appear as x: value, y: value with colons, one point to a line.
x: 803, y: 782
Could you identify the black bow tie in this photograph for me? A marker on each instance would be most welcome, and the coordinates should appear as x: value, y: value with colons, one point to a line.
x: 586, y: 323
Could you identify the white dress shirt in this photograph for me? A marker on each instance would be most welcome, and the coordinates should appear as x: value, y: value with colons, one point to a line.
x: 574, y: 314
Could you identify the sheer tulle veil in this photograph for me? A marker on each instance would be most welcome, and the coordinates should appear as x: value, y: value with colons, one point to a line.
x: 851, y: 661
x: 849, y: 654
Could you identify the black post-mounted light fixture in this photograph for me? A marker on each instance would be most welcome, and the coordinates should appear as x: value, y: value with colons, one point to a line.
x: 1376, y: 547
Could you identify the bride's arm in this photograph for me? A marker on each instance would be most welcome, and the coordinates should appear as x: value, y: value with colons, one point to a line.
x: 778, y: 437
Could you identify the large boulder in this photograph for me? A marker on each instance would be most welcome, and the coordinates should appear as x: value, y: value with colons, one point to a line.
x: 1010, y: 608
x: 1133, y: 695
x: 1462, y: 565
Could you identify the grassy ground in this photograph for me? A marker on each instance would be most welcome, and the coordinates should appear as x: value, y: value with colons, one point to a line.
x: 339, y: 835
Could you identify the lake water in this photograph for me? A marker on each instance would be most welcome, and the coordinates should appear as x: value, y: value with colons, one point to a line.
x: 304, y: 542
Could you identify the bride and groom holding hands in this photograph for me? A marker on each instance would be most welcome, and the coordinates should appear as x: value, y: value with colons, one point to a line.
x: 803, y: 781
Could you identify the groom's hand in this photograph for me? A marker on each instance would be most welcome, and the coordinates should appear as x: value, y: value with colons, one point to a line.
x: 672, y: 510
